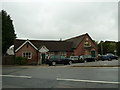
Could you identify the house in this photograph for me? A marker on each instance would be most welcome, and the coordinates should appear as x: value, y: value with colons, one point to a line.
x: 37, y: 50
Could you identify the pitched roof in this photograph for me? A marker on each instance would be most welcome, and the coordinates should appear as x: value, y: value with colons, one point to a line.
x: 51, y: 45
x: 66, y: 45
x: 76, y: 40
x: 18, y: 43
x: 22, y: 44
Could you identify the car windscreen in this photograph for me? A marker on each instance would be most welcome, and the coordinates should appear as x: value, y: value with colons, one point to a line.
x: 87, y: 56
x: 54, y: 57
x: 62, y: 57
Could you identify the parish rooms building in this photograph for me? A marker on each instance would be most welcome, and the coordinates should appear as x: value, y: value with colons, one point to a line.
x: 37, y: 50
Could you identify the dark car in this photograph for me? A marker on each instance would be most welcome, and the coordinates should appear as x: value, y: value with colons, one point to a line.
x: 53, y: 60
x: 104, y: 57
x: 111, y: 56
x: 87, y: 58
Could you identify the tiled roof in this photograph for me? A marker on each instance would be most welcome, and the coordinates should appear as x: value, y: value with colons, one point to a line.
x: 18, y: 43
x: 66, y: 45
x: 51, y: 45
x: 76, y: 40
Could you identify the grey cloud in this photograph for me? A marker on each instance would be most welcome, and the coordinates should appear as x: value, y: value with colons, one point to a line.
x: 56, y: 20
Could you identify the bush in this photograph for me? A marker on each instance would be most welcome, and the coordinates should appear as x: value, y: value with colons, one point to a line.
x: 21, y: 60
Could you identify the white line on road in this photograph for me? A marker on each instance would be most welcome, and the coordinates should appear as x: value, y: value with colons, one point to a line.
x: 91, y: 81
x: 16, y: 76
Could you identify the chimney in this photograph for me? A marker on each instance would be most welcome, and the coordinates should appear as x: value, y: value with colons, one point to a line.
x: 60, y: 39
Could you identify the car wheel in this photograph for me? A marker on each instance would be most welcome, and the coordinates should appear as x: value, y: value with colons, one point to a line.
x: 53, y: 63
x: 85, y: 61
x: 70, y: 62
x: 109, y: 59
x: 65, y: 63
x: 81, y: 60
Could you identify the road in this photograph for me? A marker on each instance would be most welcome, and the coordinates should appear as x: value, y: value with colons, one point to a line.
x: 60, y: 77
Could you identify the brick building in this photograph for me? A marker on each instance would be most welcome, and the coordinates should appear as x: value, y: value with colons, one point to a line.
x: 37, y: 50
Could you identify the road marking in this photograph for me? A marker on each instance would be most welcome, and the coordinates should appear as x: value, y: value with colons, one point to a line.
x: 16, y: 76
x: 91, y: 81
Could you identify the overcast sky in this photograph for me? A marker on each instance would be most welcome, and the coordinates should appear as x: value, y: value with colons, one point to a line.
x: 55, y: 19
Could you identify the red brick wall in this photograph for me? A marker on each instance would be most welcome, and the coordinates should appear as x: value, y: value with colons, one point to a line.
x: 30, y: 49
x: 69, y: 54
x: 80, y: 50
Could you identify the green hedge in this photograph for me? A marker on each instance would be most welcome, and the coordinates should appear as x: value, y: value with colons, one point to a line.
x: 21, y: 60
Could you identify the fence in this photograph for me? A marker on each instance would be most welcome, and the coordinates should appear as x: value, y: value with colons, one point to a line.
x: 8, y: 60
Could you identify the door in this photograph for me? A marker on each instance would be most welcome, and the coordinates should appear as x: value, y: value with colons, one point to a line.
x: 93, y: 53
x: 43, y: 58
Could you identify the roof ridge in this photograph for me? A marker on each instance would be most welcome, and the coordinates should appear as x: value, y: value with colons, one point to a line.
x: 41, y: 40
x: 76, y: 36
x: 48, y: 40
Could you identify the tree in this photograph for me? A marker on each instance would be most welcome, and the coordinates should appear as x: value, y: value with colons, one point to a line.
x: 8, y: 33
x: 107, y: 47
x: 112, y: 47
x: 100, y: 47
x: 118, y: 48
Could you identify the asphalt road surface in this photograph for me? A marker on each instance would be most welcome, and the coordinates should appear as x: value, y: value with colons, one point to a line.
x: 60, y: 77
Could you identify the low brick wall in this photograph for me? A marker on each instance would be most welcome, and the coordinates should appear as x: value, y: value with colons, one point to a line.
x: 8, y: 60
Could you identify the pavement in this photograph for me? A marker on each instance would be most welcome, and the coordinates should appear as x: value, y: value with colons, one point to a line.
x: 113, y: 63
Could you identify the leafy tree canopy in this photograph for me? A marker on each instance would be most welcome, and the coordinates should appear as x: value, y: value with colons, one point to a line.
x: 8, y: 33
x: 109, y: 47
x: 118, y: 48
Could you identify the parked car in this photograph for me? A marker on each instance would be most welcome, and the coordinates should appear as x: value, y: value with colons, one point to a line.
x: 82, y: 58
x: 111, y: 56
x: 104, y: 57
x: 87, y: 58
x: 56, y: 59
x: 75, y: 59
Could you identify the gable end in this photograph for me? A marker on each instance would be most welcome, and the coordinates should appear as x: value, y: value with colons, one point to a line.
x: 24, y: 44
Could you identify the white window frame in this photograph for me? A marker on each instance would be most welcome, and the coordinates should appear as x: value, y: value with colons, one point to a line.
x: 26, y: 55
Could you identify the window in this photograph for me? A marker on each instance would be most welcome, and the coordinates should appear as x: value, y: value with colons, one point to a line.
x: 27, y: 54
x: 87, y: 44
x: 87, y: 39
